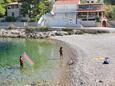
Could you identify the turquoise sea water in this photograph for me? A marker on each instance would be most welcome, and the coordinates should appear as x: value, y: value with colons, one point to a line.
x: 44, y: 54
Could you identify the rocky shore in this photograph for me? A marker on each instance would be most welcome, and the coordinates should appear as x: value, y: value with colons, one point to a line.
x: 36, y: 34
x: 24, y: 33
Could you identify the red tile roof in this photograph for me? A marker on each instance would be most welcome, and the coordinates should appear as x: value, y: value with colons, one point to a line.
x: 67, y: 1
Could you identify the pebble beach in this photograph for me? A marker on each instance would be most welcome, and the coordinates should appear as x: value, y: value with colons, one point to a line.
x: 87, y: 53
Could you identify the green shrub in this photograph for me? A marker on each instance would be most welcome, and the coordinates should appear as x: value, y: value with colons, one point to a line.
x: 97, y: 19
x: 44, y: 28
x: 67, y: 29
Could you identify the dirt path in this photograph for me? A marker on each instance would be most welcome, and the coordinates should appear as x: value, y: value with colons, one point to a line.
x: 89, y: 52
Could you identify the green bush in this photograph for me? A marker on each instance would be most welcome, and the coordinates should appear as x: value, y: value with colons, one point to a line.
x: 10, y: 19
x: 44, y: 28
x: 97, y: 19
x: 67, y: 29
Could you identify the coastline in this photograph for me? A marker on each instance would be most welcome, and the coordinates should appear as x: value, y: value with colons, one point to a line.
x: 72, y: 60
x: 88, y: 52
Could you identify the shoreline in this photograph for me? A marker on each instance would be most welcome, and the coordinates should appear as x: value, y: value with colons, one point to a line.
x: 71, y: 61
x: 87, y: 53
x: 91, y: 50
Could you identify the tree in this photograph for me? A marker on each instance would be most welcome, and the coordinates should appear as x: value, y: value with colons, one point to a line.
x: 44, y: 7
x: 2, y: 10
x: 7, y: 1
x: 34, y: 8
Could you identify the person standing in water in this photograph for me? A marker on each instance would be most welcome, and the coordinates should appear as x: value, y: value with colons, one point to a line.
x: 61, y: 52
x: 21, y: 62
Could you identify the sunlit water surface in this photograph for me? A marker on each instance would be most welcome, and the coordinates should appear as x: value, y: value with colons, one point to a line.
x: 44, y: 54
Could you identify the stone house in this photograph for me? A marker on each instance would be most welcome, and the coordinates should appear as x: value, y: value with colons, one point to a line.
x: 13, y: 9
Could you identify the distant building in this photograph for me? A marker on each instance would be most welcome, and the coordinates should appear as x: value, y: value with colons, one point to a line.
x: 13, y: 9
x: 88, y: 14
x: 70, y: 13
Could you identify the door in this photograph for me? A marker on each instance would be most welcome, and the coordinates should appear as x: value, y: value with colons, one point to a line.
x: 104, y: 24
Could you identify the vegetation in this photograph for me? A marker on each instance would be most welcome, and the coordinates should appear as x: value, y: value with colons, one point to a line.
x: 35, y: 8
x: 109, y: 2
x: 97, y: 19
x: 30, y: 8
x: 3, y: 4
x: 44, y: 28
x: 110, y: 11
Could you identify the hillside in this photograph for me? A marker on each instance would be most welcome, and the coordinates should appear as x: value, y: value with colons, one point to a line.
x: 32, y: 8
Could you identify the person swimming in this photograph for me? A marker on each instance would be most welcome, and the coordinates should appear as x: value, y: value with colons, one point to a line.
x: 21, y: 62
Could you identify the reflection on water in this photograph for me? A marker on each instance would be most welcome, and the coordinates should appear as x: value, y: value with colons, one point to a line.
x: 42, y: 52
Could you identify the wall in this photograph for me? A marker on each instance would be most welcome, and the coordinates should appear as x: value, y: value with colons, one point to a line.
x: 62, y: 15
x: 65, y: 8
x: 61, y: 19
x: 88, y: 23
x: 18, y: 24
x: 16, y: 12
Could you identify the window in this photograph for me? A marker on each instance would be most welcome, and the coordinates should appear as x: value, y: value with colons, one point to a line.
x: 9, y: 7
x: 92, y: 1
x: 87, y: 1
x: 84, y: 19
x: 13, y: 14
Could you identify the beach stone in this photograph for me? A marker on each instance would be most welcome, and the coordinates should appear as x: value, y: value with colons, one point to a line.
x: 100, y: 81
x: 33, y: 84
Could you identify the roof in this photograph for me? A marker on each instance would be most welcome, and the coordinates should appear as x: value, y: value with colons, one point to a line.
x: 60, y: 2
x: 13, y: 3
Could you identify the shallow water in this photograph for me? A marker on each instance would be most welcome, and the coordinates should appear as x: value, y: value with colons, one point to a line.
x: 44, y: 54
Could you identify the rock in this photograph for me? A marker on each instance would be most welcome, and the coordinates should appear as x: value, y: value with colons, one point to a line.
x: 100, y: 81
x: 71, y: 62
x: 33, y: 84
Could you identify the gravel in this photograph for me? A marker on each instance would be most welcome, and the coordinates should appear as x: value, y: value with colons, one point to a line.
x: 87, y: 53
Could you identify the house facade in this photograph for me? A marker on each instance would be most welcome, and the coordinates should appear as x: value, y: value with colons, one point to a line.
x: 63, y: 14
x: 72, y: 13
x: 13, y: 9
x: 90, y: 14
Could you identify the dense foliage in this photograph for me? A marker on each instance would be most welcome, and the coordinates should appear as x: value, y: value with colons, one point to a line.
x: 32, y: 8
x: 110, y: 2
x: 35, y: 8
x: 3, y: 4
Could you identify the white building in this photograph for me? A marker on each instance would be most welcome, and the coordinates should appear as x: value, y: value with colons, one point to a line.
x: 13, y: 9
x: 63, y: 14
x: 70, y: 13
